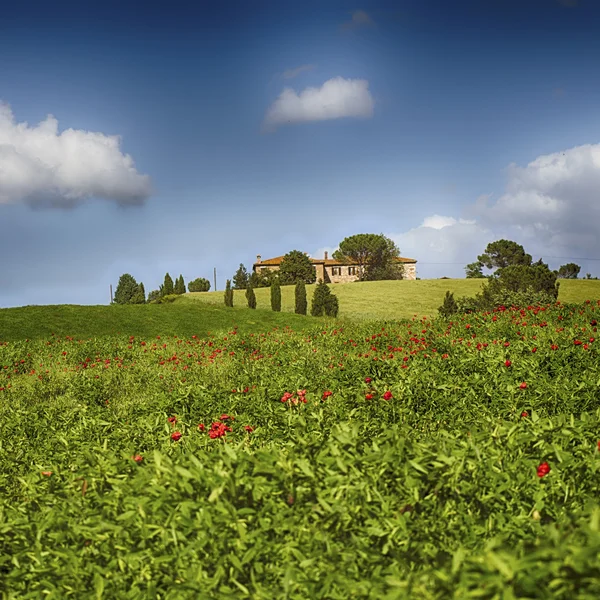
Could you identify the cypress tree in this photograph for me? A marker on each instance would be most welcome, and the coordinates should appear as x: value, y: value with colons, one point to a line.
x: 179, y: 287
x: 251, y: 297
x: 126, y: 289
x: 276, y: 295
x: 228, y: 294
x: 140, y: 295
x: 319, y: 299
x: 449, y: 307
x: 167, y: 285
x: 240, y: 279
x: 332, y: 306
x: 300, y: 295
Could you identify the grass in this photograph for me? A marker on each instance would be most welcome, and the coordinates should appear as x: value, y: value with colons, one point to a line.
x: 391, y: 300
x: 183, y: 319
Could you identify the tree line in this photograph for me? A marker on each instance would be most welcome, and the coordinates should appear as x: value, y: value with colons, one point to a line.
x: 130, y: 292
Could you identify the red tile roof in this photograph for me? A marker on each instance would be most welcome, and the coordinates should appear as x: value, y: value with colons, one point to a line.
x: 330, y: 262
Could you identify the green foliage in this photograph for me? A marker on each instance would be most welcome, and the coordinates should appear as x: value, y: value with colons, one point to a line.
x: 373, y: 254
x: 449, y: 306
x: 324, y: 302
x: 154, y: 296
x: 300, y: 298
x: 167, y: 288
x: 228, y: 296
x: 127, y: 288
x: 504, y: 253
x: 200, y: 284
x: 387, y: 478
x: 179, y: 287
x: 474, y: 270
x: 263, y: 278
x: 296, y: 266
x: 276, y: 295
x: 515, y: 278
x: 251, y: 297
x: 140, y: 295
x: 168, y: 298
x: 240, y: 279
x: 569, y: 271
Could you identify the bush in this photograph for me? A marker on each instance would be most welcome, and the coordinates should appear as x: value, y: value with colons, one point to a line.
x: 276, y: 295
x: 250, y: 297
x: 449, y: 306
x: 323, y: 301
x: 168, y: 299
x: 199, y: 285
x: 154, y: 297
x: 300, y: 296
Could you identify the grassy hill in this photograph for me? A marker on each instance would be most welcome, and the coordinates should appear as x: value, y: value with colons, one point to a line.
x: 201, y: 313
x: 393, y: 299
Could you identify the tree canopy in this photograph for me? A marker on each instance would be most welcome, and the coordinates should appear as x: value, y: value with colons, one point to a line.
x: 374, y: 255
x: 127, y: 288
x: 504, y: 253
x: 240, y: 279
x: 569, y: 271
x: 296, y: 266
x: 200, y: 284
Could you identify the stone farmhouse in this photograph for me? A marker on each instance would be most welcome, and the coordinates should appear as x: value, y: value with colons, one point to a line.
x: 333, y: 271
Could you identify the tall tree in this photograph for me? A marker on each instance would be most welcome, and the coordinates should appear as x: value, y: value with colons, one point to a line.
x: 296, y: 266
x: 126, y: 289
x: 251, y: 297
x: 474, y: 270
x: 300, y: 297
x: 374, y: 255
x: 504, y: 253
x: 140, y: 295
x: 179, y: 287
x: 240, y: 279
x: 228, y: 296
x: 569, y: 271
x: 168, y: 287
x: 276, y: 295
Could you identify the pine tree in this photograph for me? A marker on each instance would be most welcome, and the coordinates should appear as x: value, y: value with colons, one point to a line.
x: 300, y: 295
x: 179, y: 287
x: 240, y: 279
x: 449, y: 307
x: 276, y: 295
x: 251, y: 297
x: 168, y: 287
x: 126, y: 289
x: 228, y: 296
x: 140, y: 295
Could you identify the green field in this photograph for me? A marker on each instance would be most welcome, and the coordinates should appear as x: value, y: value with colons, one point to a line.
x: 417, y: 459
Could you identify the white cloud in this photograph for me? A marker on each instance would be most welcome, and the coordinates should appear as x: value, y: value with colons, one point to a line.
x: 336, y: 98
x: 550, y: 206
x: 291, y: 73
x: 359, y: 19
x: 42, y: 167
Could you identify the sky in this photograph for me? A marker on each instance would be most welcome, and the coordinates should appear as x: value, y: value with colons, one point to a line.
x: 187, y: 137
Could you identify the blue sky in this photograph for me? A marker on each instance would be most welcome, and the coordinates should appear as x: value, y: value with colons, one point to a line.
x: 444, y: 125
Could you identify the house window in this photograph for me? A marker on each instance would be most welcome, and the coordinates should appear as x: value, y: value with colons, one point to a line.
x: 336, y: 270
x: 351, y: 270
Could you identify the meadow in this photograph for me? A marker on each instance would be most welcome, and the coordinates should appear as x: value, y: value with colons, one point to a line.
x: 424, y: 458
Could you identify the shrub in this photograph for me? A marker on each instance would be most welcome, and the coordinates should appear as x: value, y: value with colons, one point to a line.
x: 449, y: 306
x: 323, y: 301
x: 276, y: 295
x: 250, y: 297
x: 300, y: 297
x: 154, y: 297
x: 199, y: 285
x: 332, y: 306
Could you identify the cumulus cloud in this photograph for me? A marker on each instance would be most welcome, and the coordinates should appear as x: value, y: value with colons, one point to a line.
x: 291, y: 73
x: 550, y: 206
x: 359, y: 19
x: 336, y: 98
x: 41, y: 167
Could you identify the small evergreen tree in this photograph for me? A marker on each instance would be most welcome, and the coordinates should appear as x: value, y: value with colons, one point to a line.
x: 251, y: 297
x: 126, y: 289
x: 168, y: 286
x: 449, y: 307
x: 179, y: 287
x: 240, y: 279
x: 140, y: 295
x: 332, y: 306
x: 319, y: 299
x: 153, y: 296
x: 228, y: 294
x: 276, y: 295
x: 300, y: 296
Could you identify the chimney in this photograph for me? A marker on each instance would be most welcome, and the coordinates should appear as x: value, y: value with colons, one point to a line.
x: 258, y: 258
x: 325, y: 254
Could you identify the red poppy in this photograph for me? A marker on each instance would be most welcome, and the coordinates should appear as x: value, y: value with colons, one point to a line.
x: 387, y: 395
x: 368, y: 396
x: 46, y: 473
x: 138, y: 458
x: 249, y: 428
x: 172, y: 420
x: 507, y: 363
x: 326, y: 394
x: 201, y: 427
x: 524, y: 414
x: 176, y: 435
x: 368, y: 380
x: 543, y: 469
x: 523, y: 386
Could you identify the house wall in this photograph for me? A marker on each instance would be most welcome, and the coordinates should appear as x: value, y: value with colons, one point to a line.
x: 326, y: 272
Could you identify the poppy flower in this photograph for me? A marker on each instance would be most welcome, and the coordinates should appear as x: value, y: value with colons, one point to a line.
x: 46, y: 473
x: 249, y: 428
x: 507, y: 363
x: 138, y: 458
x: 176, y: 435
x: 172, y: 420
x: 201, y: 426
x: 543, y: 469
x: 523, y: 385
x: 368, y: 380
x: 387, y: 395
x: 524, y: 414
x: 326, y: 394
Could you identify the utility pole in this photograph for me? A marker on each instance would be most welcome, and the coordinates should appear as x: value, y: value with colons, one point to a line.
x: 215, y: 278
x: 111, y: 298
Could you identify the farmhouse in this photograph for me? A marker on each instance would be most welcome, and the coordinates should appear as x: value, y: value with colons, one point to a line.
x: 333, y: 271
